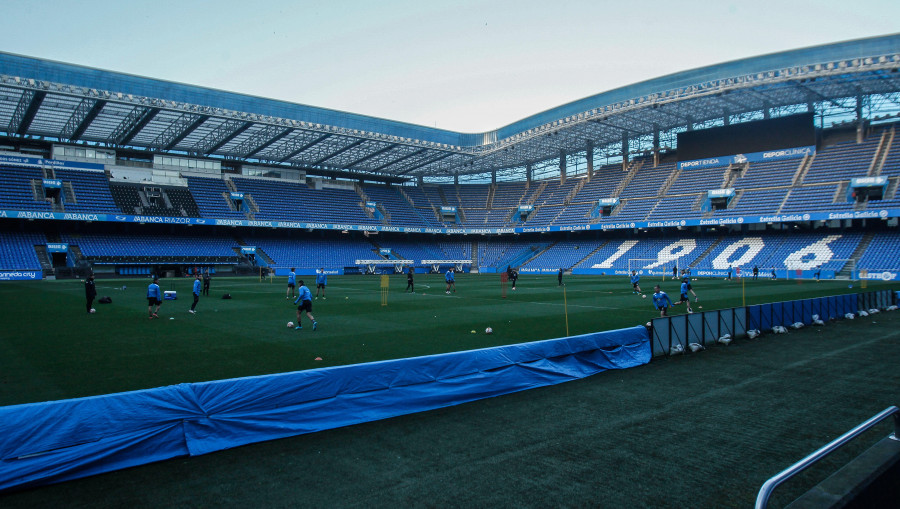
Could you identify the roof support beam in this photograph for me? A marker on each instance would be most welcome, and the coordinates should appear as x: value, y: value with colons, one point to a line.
x: 370, y: 156
x: 261, y: 140
x: 295, y: 149
x: 614, y: 126
x: 339, y: 152
x: 426, y: 163
x: 179, y: 130
x: 395, y: 161
x: 133, y: 123
x: 85, y: 113
x: 219, y: 136
x: 28, y: 106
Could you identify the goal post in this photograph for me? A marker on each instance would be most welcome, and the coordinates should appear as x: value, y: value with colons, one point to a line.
x: 836, y: 268
x: 657, y: 268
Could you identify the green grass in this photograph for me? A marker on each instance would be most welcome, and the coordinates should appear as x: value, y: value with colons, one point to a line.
x: 51, y: 349
x: 701, y: 430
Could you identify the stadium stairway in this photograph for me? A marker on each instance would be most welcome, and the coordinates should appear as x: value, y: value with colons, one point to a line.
x: 76, y: 252
x: 803, y: 169
x: 887, y: 137
x: 845, y: 272
x: 589, y: 255
x: 260, y: 252
x: 538, y: 250
x: 631, y: 170
x: 524, y: 255
x: 44, y: 258
x: 704, y: 254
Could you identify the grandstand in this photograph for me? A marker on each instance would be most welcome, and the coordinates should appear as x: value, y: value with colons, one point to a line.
x: 125, y: 176
x: 122, y: 183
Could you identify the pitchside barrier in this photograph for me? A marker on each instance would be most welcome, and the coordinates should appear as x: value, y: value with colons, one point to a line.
x: 43, y: 443
x: 706, y: 327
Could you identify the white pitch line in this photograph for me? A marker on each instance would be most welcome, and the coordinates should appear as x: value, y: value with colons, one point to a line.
x: 535, y: 302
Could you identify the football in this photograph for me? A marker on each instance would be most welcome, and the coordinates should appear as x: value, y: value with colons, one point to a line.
x: 643, y: 295
x: 489, y: 331
x: 290, y: 325
x: 93, y: 310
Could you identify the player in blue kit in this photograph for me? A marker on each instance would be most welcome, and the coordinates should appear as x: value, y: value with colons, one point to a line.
x: 690, y: 288
x: 451, y: 281
x: 321, y: 282
x: 685, y: 288
x: 661, y: 301
x: 304, y: 303
x: 197, y: 290
x: 154, y: 298
x: 292, y: 283
x: 635, y: 283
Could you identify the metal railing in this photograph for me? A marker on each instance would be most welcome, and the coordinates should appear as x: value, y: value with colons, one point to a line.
x: 762, y: 499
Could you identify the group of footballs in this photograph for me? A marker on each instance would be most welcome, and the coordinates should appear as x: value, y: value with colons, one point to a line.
x: 290, y: 325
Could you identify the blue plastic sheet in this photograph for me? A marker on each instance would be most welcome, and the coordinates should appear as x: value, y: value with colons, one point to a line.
x: 764, y: 316
x: 42, y: 443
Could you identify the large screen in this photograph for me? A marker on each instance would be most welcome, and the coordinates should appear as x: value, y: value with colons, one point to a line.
x: 757, y: 136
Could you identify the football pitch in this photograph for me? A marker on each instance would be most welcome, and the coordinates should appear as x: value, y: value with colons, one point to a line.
x: 698, y: 430
x: 52, y: 349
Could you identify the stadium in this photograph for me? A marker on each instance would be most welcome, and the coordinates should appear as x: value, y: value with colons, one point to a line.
x: 764, y: 180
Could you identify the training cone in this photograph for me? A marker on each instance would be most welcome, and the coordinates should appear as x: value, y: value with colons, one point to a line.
x: 318, y: 358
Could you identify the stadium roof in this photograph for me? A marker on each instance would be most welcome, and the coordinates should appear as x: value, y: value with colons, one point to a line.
x: 74, y: 104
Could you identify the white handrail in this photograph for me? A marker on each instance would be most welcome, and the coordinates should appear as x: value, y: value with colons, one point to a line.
x: 762, y: 499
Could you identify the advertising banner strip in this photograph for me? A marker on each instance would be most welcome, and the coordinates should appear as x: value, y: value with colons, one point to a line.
x: 41, y: 162
x: 753, y: 157
x: 603, y: 226
x: 20, y: 275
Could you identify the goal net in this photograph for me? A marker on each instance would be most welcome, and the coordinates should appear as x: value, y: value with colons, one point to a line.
x: 651, y: 267
x: 835, y: 268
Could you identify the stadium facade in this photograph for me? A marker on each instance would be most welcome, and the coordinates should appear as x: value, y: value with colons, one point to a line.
x: 100, y: 158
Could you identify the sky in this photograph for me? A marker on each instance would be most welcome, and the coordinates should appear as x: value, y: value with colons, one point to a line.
x: 463, y: 66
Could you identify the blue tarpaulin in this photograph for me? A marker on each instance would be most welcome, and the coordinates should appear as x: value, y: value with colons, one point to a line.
x: 42, y: 443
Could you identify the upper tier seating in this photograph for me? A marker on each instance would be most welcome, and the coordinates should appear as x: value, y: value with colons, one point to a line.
x: 400, y: 210
x: 768, y: 174
x: 16, y: 192
x: 211, y: 195
x: 91, y: 191
x: 137, y: 199
x: 807, y: 199
x: 701, y: 179
x: 842, y: 161
x: 648, y: 180
x: 288, y: 201
x: 762, y: 189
